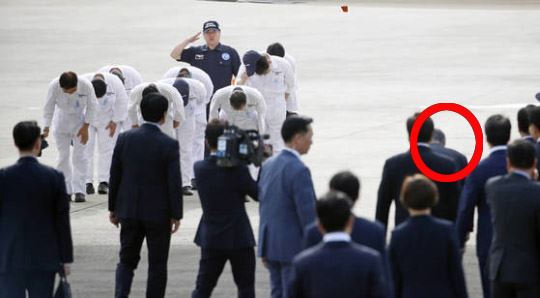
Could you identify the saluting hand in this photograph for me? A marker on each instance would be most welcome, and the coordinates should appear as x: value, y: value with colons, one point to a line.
x: 175, y: 225
x: 194, y: 38
x: 112, y: 126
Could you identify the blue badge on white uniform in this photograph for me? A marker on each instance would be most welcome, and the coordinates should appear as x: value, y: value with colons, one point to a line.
x: 225, y: 56
x: 77, y: 104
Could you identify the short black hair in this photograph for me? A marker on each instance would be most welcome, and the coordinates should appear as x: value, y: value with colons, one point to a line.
x: 118, y: 72
x: 418, y: 193
x: 68, y: 80
x: 184, y: 73
x: 100, y: 87
x: 294, y: 125
x: 151, y: 88
x: 523, y: 116
x: 214, y: 129
x: 521, y: 154
x: 426, y: 131
x: 25, y: 135
x: 334, y: 211
x: 439, y: 137
x: 153, y: 107
x: 534, y: 117
x: 276, y: 49
x: 497, y: 128
x: 238, y: 98
x: 261, y: 66
x: 347, y: 183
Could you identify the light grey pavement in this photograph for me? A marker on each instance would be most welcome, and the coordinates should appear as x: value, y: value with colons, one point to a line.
x: 361, y: 74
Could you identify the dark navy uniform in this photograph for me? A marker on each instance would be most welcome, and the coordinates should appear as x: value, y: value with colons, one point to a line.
x: 221, y: 63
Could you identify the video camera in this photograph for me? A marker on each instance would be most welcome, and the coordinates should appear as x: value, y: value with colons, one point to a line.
x: 242, y: 147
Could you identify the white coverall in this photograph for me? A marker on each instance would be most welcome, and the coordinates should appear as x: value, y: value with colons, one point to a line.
x: 67, y: 113
x: 273, y: 86
x: 175, y: 111
x: 200, y: 110
x: 111, y: 107
x: 292, y: 100
x: 132, y: 78
x: 252, y: 117
x: 185, y: 133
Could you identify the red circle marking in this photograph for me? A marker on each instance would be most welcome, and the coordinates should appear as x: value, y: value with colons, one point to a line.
x: 478, y: 147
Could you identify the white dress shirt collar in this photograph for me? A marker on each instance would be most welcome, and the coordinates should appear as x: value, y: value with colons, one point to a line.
x: 337, y: 237
x: 152, y: 123
x: 497, y: 148
x: 420, y: 144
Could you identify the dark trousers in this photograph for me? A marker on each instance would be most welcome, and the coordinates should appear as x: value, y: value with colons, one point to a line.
x: 158, y: 239
x: 37, y: 284
x: 280, y: 274
x: 212, y: 263
x: 514, y: 290
x: 484, y: 275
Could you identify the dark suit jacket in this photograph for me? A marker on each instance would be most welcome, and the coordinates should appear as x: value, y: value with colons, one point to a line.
x: 400, y: 166
x: 338, y: 269
x: 224, y: 223
x: 425, y: 259
x: 459, y: 159
x: 145, y: 182
x: 537, y: 147
x: 35, y: 232
x: 515, y: 208
x: 473, y: 195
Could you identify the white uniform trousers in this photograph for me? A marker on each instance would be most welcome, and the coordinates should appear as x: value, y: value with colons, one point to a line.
x: 105, y: 145
x: 276, y: 112
x: 74, y: 170
x: 185, y: 135
x: 198, y: 137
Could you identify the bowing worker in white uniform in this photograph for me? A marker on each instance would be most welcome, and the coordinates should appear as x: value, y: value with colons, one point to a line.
x: 273, y: 77
x: 175, y: 112
x: 277, y: 49
x: 193, y: 94
x: 112, y: 102
x: 70, y: 107
x: 130, y: 77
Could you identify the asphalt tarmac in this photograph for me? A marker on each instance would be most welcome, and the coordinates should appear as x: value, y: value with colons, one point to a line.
x: 361, y: 74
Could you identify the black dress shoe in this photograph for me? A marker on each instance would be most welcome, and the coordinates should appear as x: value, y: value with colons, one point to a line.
x: 90, y: 189
x: 193, y: 184
x: 186, y: 191
x: 80, y: 198
x: 103, y: 188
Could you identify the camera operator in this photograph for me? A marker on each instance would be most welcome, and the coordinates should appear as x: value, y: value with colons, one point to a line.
x: 224, y: 232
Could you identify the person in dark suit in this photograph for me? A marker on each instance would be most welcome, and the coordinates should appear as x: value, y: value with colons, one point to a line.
x: 337, y: 267
x: 224, y: 232
x: 424, y: 252
x: 364, y: 232
x: 524, y: 122
x: 534, y: 129
x: 287, y: 203
x: 400, y: 166
x: 438, y: 145
x: 514, y: 258
x: 145, y: 197
x: 497, y: 129
x: 35, y: 232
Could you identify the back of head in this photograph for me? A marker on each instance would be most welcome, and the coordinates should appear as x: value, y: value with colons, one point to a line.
x: 523, y: 116
x: 153, y: 107
x: 426, y: 131
x: 68, y: 80
x: 497, y: 128
x: 347, y: 183
x: 238, y: 98
x: 418, y: 193
x: 261, y: 66
x: 184, y: 73
x: 25, y: 135
x: 521, y: 154
x: 438, y: 137
x: 100, y: 87
x: 534, y: 117
x: 118, y: 72
x: 276, y: 49
x: 214, y: 129
x: 294, y: 125
x: 334, y: 211
x: 151, y: 88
